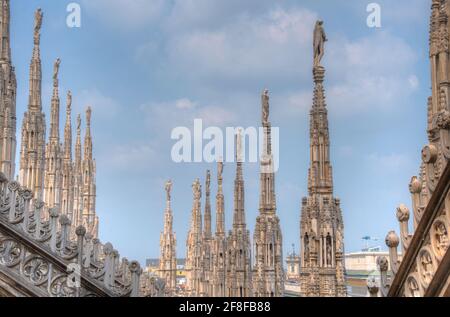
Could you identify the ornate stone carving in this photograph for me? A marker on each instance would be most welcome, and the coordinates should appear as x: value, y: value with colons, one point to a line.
x: 426, y: 266
x: 10, y: 252
x: 439, y: 237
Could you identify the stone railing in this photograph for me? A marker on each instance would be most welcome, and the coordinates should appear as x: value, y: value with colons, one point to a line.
x: 39, y: 258
x: 425, y: 267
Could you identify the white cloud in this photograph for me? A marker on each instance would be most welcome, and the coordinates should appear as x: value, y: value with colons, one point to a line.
x: 269, y: 47
x: 125, y: 14
x: 389, y: 162
x: 103, y: 107
x: 135, y: 157
x: 182, y: 112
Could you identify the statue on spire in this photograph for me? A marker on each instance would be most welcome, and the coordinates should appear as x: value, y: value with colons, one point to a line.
x: 265, y: 106
x: 88, y: 116
x: 239, y: 149
x: 69, y: 100
x: 37, y: 25
x: 56, y: 72
x: 79, y: 123
x: 319, y: 43
x: 197, y: 190
x: 208, y: 180
x: 168, y: 190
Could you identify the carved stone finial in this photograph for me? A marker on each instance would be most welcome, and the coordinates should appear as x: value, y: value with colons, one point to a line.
x: 415, y: 186
x: 383, y: 263
x: 39, y: 204
x: 402, y: 213
x: 372, y: 286
x: 64, y: 221
x: 108, y: 248
x: 135, y: 267
x: 80, y: 231
x: 54, y: 212
x: 27, y: 194
x: 392, y: 240
x: 14, y: 186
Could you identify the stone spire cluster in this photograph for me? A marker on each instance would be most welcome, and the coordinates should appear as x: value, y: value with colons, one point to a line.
x: 8, y: 93
x: 268, y: 273
x: 321, y: 225
x: 47, y: 169
x: 168, y: 241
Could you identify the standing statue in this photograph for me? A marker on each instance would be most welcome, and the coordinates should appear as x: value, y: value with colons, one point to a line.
x: 208, y: 180
x: 37, y: 24
x: 265, y: 106
x: 88, y: 116
x: 69, y: 100
x: 56, y: 71
x: 79, y: 122
x: 197, y: 189
x: 239, y: 152
x: 219, y: 170
x: 168, y: 190
x: 319, y: 42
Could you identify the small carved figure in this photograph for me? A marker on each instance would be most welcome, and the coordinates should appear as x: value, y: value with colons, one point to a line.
x: 69, y: 100
x: 319, y: 42
x: 441, y: 238
x: 413, y: 287
x: 427, y: 266
x: 196, y: 188
x: 265, y: 106
x: 168, y: 190
x: 37, y: 24
x: 56, y: 70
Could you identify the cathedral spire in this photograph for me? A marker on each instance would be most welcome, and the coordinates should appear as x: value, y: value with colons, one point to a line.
x: 168, y: 262
x: 54, y: 118
x: 220, y: 208
x: 35, y: 102
x: 8, y: 94
x: 78, y: 145
x: 5, y: 45
x: 88, y: 137
x: 239, y: 202
x: 207, y: 227
x: 320, y: 172
x: 267, y: 202
x: 321, y: 222
x: 68, y: 129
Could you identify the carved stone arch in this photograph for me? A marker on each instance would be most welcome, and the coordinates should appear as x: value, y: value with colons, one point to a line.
x: 426, y: 265
x: 440, y: 237
x: 412, y: 286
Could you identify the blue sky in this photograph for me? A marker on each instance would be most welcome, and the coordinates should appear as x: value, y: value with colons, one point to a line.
x: 148, y: 66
